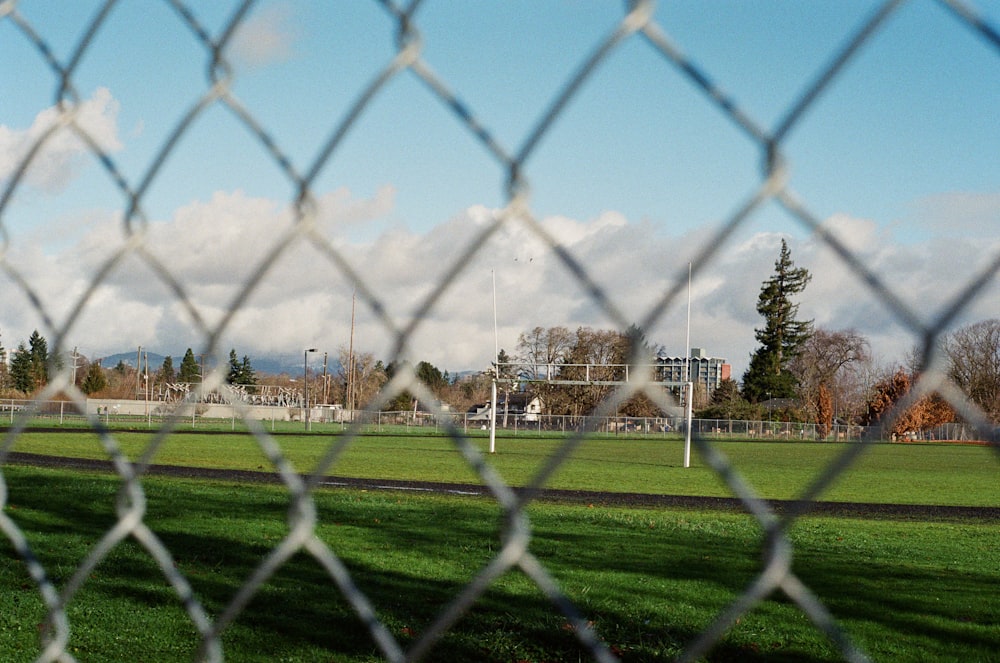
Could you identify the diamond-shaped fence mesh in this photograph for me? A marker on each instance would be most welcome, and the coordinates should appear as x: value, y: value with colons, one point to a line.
x: 637, y: 25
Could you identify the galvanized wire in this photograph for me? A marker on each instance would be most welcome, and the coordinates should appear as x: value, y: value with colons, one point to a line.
x: 637, y: 23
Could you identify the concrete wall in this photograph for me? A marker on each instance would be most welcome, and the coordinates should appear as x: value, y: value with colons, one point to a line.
x: 111, y: 406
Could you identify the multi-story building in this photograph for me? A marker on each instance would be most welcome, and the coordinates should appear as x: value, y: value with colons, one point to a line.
x: 708, y: 372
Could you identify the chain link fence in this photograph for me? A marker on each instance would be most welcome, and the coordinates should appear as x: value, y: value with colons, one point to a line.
x: 637, y: 24
x: 150, y: 414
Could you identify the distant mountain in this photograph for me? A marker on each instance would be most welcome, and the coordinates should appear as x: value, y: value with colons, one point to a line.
x: 129, y: 359
x: 273, y: 365
x: 290, y: 364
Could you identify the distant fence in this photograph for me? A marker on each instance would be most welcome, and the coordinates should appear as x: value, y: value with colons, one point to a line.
x: 664, y: 427
x: 156, y: 413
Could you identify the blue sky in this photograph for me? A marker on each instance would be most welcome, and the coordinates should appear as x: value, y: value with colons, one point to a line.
x: 898, y: 156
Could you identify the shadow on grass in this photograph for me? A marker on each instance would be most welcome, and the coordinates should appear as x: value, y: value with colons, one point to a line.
x: 938, y: 610
x: 649, y: 580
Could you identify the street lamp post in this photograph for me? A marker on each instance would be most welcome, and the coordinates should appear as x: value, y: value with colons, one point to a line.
x: 305, y: 381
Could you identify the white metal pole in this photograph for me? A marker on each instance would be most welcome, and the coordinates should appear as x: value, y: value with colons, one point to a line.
x: 350, y: 361
x: 688, y: 384
x: 493, y: 417
x: 687, y: 433
x: 496, y: 335
x: 496, y: 370
x: 687, y: 340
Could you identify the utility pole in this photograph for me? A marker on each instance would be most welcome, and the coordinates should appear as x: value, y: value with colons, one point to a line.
x: 138, y: 372
x: 145, y: 377
x: 76, y: 357
x: 325, y: 383
x: 305, y: 383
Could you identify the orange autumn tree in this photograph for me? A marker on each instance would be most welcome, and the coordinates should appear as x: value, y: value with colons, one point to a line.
x: 927, y: 412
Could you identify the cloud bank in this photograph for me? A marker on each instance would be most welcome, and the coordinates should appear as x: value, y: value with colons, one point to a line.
x: 304, y: 298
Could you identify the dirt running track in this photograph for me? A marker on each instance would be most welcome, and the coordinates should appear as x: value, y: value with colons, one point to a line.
x: 847, y: 509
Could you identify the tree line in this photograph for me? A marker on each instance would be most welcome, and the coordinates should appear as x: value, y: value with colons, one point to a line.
x: 31, y: 364
x: 356, y: 381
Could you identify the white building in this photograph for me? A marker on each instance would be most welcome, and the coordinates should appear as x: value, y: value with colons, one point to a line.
x: 709, y: 372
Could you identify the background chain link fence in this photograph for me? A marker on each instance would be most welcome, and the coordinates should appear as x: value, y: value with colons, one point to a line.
x: 637, y: 23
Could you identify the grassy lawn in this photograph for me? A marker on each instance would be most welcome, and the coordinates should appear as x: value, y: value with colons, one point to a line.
x: 896, y: 474
x: 649, y: 580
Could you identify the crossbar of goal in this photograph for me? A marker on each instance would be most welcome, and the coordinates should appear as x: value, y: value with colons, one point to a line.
x: 593, y: 375
x: 590, y: 374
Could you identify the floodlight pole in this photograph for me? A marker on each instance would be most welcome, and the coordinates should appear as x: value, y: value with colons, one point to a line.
x: 305, y: 382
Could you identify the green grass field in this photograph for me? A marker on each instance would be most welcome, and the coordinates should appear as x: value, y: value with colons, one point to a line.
x: 649, y: 579
x: 944, y: 474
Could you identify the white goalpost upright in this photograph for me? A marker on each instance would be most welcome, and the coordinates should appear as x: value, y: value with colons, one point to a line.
x: 496, y: 370
x: 689, y: 388
x: 493, y: 417
x: 688, y: 383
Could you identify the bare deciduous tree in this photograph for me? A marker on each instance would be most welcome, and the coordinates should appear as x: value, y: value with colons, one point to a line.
x: 470, y: 390
x: 542, y: 349
x: 367, y: 377
x: 974, y: 364
x: 597, y: 355
x: 832, y: 359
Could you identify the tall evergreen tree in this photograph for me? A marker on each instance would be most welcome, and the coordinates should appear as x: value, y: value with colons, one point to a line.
x: 95, y: 379
x: 727, y: 402
x: 233, y: 377
x: 248, y: 375
x: 167, y: 372
x: 782, y: 335
x: 403, y: 400
x: 240, y: 372
x: 189, y: 371
x: 431, y: 376
x: 21, y: 374
x: 38, y: 348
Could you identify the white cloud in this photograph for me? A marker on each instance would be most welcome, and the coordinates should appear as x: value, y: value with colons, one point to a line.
x: 962, y: 213
x: 59, y: 157
x: 266, y: 36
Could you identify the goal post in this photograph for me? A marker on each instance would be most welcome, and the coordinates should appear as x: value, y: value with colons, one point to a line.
x: 589, y: 375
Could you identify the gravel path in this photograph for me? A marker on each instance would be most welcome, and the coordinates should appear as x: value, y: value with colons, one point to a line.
x: 863, y: 510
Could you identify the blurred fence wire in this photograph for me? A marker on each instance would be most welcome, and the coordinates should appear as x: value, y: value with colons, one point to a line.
x: 637, y: 24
